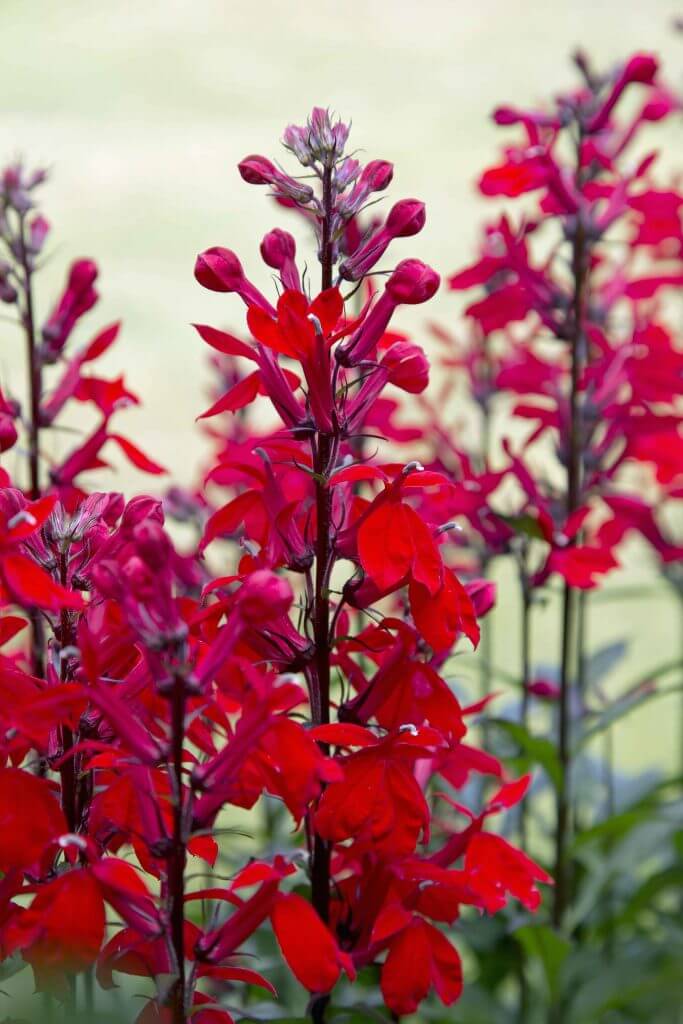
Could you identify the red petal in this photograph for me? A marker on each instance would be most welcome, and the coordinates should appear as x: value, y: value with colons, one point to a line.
x: 32, y: 586
x: 306, y: 943
x: 223, y: 342
x: 138, y: 458
x: 241, y: 394
x: 30, y: 818
x: 385, y: 545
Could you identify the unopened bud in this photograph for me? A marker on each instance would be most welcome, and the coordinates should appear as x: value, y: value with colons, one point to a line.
x: 413, y: 282
x: 264, y: 597
x: 219, y: 270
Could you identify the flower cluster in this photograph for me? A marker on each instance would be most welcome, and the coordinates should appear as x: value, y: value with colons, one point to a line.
x: 168, y: 691
x: 570, y: 357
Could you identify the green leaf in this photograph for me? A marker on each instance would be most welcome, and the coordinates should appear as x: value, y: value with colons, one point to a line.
x: 525, y: 524
x: 540, y: 942
x: 642, y: 898
x: 634, y: 698
x: 537, y: 749
x: 601, y: 662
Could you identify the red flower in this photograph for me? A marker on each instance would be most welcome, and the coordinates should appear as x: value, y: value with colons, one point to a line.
x: 420, y: 958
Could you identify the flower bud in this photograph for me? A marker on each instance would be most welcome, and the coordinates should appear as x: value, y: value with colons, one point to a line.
x: 219, y: 270
x: 8, y: 432
x: 412, y: 282
x: 153, y: 544
x: 38, y: 232
x: 377, y: 175
x: 642, y: 67
x: 140, y: 578
x: 406, y: 218
x: 257, y: 170
x: 277, y: 247
x: 264, y: 597
x: 482, y: 594
x: 77, y: 298
x: 142, y: 507
x: 106, y: 580
x: 407, y: 366
x: 278, y: 250
x: 347, y: 172
x: 296, y: 139
x: 8, y: 292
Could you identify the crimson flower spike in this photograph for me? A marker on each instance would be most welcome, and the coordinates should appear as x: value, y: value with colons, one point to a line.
x: 355, y: 531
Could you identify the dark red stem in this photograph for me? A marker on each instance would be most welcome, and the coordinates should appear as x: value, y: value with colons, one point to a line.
x: 320, y: 698
x: 35, y: 385
x: 178, y: 851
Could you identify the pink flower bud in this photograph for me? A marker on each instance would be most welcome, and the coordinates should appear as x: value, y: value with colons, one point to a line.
x: 77, y: 298
x: 257, y: 170
x: 106, y: 580
x: 277, y: 247
x: 82, y: 275
x: 153, y: 544
x: 38, y: 232
x: 406, y: 218
x: 642, y: 67
x: 140, y: 578
x: 278, y: 250
x: 8, y: 432
x: 138, y: 509
x: 408, y: 367
x: 482, y: 593
x: 544, y: 689
x: 264, y: 597
x: 412, y: 282
x: 219, y: 270
x: 377, y: 175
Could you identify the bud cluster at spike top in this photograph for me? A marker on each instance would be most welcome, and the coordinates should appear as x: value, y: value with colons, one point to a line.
x: 292, y: 667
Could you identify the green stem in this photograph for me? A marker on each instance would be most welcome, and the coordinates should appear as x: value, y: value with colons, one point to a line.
x: 574, y: 467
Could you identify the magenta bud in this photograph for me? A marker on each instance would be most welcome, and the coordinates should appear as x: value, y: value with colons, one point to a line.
x: 406, y: 218
x: 407, y: 366
x: 8, y: 432
x: 219, y: 270
x: 277, y: 248
x: 412, y: 282
x: 106, y: 580
x: 264, y: 597
x: 153, y: 544
x: 642, y: 67
x: 505, y: 115
x: 82, y: 275
x: 8, y: 293
x: 38, y: 232
x: 377, y: 175
x: 544, y: 689
x: 140, y: 578
x: 138, y: 509
x: 482, y: 594
x: 257, y: 170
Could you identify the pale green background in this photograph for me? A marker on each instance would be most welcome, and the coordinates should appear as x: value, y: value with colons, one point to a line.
x: 143, y: 109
